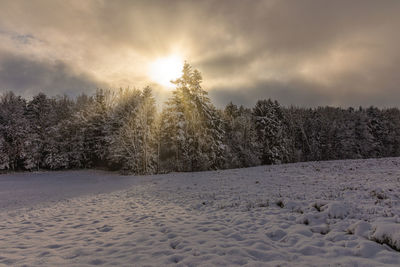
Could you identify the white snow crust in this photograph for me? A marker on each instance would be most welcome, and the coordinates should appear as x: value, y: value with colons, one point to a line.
x: 337, y: 213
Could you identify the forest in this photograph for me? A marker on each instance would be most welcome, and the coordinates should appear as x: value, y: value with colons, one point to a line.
x: 123, y: 130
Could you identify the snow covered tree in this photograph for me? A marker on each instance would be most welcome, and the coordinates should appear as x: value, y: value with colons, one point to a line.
x: 391, y: 118
x: 344, y: 143
x: 146, y: 121
x: 132, y: 147
x: 378, y: 132
x: 62, y: 144
x: 297, y: 139
x: 191, y: 128
x: 47, y: 141
x: 96, y: 120
x: 242, y: 148
x: 39, y: 113
x: 4, y: 159
x: 269, y: 126
x: 14, y: 132
x: 71, y: 134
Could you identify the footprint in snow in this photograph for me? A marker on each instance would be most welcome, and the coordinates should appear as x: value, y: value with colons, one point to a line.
x: 105, y: 228
x: 54, y: 246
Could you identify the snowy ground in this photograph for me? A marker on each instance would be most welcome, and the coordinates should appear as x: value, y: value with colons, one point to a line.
x: 339, y: 213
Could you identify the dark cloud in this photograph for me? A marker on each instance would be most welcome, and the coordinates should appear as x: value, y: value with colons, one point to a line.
x: 27, y: 77
x: 304, y: 94
x: 307, y: 52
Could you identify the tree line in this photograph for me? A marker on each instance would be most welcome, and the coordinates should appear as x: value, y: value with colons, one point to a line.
x: 122, y: 130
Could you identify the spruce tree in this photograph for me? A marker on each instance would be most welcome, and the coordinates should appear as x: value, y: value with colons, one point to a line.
x: 269, y: 126
x: 191, y: 128
x: 15, y: 133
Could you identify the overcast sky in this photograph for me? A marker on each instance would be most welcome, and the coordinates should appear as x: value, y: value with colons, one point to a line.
x: 303, y: 52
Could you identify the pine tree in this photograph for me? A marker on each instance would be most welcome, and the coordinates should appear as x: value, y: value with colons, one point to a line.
x: 392, y: 124
x: 242, y: 149
x: 297, y: 141
x: 269, y: 126
x: 39, y: 113
x: 191, y: 128
x: 96, y: 121
x: 4, y: 159
x: 60, y: 143
x: 14, y: 132
x: 146, y: 119
x: 344, y: 142
x: 378, y: 132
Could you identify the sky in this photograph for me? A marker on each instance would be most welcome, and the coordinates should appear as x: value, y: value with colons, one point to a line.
x: 303, y: 52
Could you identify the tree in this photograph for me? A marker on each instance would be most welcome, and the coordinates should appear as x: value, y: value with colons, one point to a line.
x: 14, y: 132
x: 269, y: 126
x: 132, y: 145
x: 191, y: 127
x: 392, y: 124
x: 146, y: 120
x: 96, y: 120
x: 242, y: 148
x: 40, y: 115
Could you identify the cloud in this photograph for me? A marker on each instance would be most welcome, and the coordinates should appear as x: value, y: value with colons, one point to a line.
x: 27, y: 77
x: 306, y: 94
x: 308, y: 52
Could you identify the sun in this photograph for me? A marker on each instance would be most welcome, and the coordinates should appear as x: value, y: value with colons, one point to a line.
x: 166, y: 69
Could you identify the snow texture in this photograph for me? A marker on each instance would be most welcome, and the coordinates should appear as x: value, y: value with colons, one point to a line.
x: 338, y: 213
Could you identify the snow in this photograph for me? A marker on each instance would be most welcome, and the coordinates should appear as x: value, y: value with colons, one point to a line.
x: 343, y: 213
x: 23, y: 190
x: 387, y: 233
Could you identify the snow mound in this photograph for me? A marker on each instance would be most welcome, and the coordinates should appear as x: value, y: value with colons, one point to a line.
x: 336, y: 210
x: 387, y: 233
x: 367, y: 249
x: 360, y: 228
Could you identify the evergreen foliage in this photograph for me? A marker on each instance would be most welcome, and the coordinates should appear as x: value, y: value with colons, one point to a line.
x: 191, y: 128
x: 122, y: 130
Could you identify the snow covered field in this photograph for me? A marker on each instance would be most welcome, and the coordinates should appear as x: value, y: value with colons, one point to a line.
x: 338, y: 213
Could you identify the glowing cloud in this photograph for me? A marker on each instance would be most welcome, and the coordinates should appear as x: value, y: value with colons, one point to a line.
x: 164, y: 70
